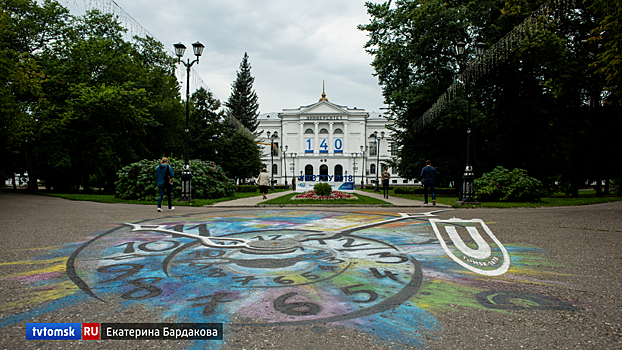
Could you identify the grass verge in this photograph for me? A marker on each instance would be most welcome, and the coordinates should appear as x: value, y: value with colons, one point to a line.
x: 554, y: 201
x: 109, y: 198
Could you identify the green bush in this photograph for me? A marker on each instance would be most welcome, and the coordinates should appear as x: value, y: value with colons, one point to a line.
x: 138, y: 180
x: 322, y: 189
x: 508, y: 186
x: 246, y: 188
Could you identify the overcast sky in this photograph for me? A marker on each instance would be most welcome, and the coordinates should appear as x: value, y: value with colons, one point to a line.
x: 292, y: 45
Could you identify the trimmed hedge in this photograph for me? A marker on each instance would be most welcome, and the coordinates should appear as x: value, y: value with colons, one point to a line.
x: 138, y: 180
x: 246, y: 188
x: 449, y: 191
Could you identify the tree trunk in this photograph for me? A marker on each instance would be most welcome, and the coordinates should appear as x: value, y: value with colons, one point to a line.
x: 599, y: 187
x: 606, y: 187
x: 33, y: 186
x: 574, y: 188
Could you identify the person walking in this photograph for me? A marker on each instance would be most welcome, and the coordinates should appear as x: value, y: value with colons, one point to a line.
x: 294, y: 183
x: 164, y: 179
x: 263, y: 180
x: 385, y: 183
x: 429, y: 175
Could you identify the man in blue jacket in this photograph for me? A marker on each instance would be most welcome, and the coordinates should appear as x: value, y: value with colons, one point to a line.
x: 163, y: 184
x: 429, y: 175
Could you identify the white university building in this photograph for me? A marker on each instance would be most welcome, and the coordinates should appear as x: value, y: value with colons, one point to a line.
x: 326, y: 139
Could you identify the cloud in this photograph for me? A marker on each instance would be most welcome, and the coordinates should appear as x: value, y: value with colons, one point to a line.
x: 292, y: 46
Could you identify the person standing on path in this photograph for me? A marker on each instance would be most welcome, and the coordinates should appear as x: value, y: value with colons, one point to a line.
x: 385, y: 183
x: 294, y: 183
x: 263, y: 180
x: 164, y: 176
x: 429, y: 175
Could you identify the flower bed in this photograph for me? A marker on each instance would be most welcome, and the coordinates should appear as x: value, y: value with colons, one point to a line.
x: 333, y: 195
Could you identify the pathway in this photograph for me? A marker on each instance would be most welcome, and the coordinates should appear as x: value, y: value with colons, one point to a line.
x: 258, y: 200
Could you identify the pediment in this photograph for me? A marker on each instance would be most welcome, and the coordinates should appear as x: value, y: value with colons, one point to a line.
x: 323, y: 107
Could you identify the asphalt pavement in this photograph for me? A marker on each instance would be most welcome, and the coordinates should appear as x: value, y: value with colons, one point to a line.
x: 374, y: 277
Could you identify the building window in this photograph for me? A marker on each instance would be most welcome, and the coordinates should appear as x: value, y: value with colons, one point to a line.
x: 338, y: 172
x: 274, y: 169
x: 309, y: 169
x: 324, y: 172
x: 309, y: 131
x: 405, y: 181
x: 394, y: 149
x: 372, y: 169
x: 323, y: 131
x: 275, y: 149
x: 394, y: 181
x: 372, y: 149
x: 338, y: 131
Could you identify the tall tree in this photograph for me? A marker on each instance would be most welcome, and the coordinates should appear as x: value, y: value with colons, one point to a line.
x: 535, y: 110
x: 240, y: 155
x: 243, y: 103
x: 82, y: 101
x: 27, y: 30
x: 206, y: 129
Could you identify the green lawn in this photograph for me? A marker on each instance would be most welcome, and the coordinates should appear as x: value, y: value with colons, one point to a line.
x: 585, y: 197
x: 286, y: 200
x: 109, y: 198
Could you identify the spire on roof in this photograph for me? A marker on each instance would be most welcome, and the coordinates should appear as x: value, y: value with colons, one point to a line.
x: 323, y: 93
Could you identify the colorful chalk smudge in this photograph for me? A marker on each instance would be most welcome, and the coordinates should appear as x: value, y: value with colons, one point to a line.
x: 375, y: 272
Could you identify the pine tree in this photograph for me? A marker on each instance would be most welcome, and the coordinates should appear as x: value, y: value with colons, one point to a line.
x: 243, y: 100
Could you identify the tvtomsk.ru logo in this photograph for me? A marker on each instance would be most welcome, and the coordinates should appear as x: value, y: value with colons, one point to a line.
x: 53, y: 331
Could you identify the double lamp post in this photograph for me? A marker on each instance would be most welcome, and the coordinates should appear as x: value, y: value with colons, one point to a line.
x: 468, y: 188
x: 186, y: 175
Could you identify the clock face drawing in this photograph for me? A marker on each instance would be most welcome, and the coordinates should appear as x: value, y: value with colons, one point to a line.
x: 272, y: 267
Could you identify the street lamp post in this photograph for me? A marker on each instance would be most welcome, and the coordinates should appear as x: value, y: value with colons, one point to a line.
x: 274, y: 136
x: 376, y: 188
x: 363, y: 152
x: 285, y: 161
x: 354, y: 156
x: 468, y: 188
x: 186, y: 175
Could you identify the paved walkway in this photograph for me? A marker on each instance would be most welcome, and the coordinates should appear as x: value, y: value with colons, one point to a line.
x: 258, y: 200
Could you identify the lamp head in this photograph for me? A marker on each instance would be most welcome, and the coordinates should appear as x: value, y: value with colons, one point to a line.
x: 198, y: 48
x: 479, y: 48
x: 460, y: 47
x: 179, y: 50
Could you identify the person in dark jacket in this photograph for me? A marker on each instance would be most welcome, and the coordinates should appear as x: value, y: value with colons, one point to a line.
x: 161, y: 172
x: 429, y: 175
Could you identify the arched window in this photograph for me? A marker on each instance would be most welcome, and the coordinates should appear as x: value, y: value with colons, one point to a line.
x: 309, y: 131
x: 324, y: 169
x: 372, y: 169
x: 274, y: 169
x: 338, y: 131
x: 323, y: 131
x: 309, y: 169
x: 338, y: 172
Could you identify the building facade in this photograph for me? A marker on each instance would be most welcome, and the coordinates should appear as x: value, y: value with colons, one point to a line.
x: 327, y: 139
